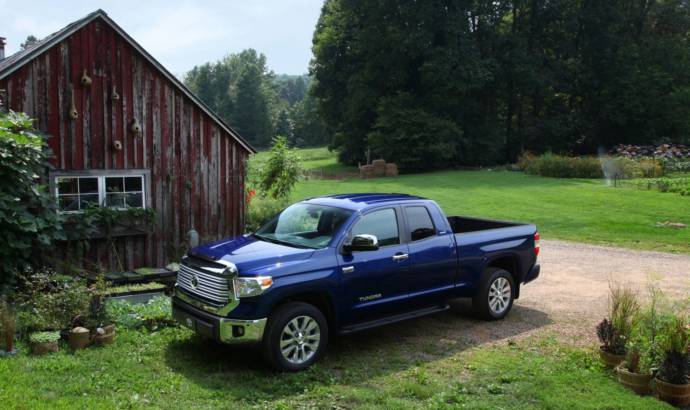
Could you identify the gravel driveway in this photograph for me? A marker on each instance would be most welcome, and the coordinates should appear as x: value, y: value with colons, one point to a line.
x: 574, y: 284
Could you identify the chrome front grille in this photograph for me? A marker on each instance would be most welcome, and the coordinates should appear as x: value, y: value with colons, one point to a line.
x: 213, y: 286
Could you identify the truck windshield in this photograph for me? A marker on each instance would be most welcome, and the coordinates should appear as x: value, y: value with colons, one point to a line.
x: 304, y: 225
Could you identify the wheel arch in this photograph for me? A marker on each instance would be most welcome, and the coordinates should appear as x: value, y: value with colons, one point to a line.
x: 509, y: 263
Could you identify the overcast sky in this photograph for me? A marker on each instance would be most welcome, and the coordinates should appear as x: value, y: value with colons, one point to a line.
x: 182, y: 34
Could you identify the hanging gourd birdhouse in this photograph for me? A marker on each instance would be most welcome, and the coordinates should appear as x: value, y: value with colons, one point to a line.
x: 135, y: 127
x: 85, y: 79
x: 117, y: 145
x: 73, y: 114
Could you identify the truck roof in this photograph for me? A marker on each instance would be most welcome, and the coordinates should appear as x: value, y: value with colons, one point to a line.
x: 360, y: 200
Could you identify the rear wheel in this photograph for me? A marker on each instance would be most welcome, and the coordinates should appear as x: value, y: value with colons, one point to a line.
x: 495, y: 295
x: 295, y: 337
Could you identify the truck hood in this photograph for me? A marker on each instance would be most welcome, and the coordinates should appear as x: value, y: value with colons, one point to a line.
x: 253, y: 256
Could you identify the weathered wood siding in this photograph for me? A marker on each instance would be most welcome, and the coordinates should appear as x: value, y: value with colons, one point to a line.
x: 197, y: 168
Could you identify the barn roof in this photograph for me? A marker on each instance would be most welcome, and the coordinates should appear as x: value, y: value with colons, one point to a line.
x: 17, y: 60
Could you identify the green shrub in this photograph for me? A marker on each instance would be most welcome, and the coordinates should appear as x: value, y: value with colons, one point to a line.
x: 153, y: 315
x: 558, y: 166
x: 48, y: 302
x: 552, y: 165
x: 28, y: 221
x: 261, y: 210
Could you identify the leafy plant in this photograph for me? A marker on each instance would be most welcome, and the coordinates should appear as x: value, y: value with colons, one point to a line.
x: 44, y: 337
x: 28, y: 220
x: 607, y: 335
x: 98, y: 315
x: 642, y: 348
x: 153, y: 315
x: 281, y: 171
x: 674, y: 341
x: 614, y: 331
x: 48, y: 301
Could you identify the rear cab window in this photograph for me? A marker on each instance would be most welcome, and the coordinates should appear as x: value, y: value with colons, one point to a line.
x: 419, y: 223
x: 381, y: 223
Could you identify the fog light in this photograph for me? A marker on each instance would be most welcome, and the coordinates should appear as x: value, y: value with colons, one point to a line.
x: 237, y: 331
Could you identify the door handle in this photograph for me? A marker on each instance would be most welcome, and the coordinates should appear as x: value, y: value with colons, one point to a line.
x: 348, y: 269
x: 399, y: 257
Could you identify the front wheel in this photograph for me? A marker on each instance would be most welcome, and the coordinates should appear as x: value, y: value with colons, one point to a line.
x: 295, y: 337
x: 495, y: 295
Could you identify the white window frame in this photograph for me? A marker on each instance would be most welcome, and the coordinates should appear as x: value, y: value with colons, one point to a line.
x: 101, y: 176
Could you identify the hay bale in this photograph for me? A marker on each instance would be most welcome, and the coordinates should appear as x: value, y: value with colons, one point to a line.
x: 366, y: 171
x: 379, y: 167
x: 391, y: 170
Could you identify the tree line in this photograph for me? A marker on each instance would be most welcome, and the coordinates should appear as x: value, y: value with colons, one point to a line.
x: 437, y: 83
x: 258, y: 103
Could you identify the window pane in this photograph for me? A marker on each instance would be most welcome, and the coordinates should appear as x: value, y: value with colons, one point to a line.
x: 88, y: 185
x: 67, y: 185
x: 113, y: 184
x: 134, y: 200
x: 420, y: 223
x: 88, y: 200
x: 115, y: 200
x: 382, y: 224
x: 68, y: 203
x: 132, y: 184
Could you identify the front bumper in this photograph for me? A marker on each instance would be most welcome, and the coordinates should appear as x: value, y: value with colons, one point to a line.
x: 224, y: 330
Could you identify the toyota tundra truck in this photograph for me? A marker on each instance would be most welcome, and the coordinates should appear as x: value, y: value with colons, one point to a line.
x: 345, y: 263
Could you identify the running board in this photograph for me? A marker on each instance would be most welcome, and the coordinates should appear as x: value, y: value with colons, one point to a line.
x: 392, y: 319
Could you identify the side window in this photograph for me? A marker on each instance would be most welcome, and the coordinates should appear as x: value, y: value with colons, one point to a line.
x: 383, y: 224
x: 419, y: 222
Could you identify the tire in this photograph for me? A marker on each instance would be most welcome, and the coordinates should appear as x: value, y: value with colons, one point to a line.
x: 306, y: 344
x: 493, y: 285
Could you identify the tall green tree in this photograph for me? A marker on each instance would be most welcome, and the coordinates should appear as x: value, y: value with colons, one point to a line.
x: 489, y: 80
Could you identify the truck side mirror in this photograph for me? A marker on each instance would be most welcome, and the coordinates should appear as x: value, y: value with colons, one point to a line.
x: 362, y: 243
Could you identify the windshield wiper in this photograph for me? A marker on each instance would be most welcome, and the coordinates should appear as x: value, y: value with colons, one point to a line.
x: 279, y: 242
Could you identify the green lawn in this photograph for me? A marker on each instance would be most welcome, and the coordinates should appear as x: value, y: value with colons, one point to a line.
x: 391, y: 368
x: 576, y: 210
x: 315, y: 159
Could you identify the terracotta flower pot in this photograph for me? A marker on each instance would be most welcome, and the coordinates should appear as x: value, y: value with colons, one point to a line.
x: 43, y: 348
x: 79, y: 338
x: 106, y: 337
x: 611, y: 360
x: 637, y: 382
x: 675, y: 394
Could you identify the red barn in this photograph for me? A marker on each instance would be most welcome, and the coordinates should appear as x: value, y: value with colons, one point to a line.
x: 126, y: 133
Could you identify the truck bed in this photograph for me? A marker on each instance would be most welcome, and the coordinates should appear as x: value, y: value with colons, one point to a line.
x: 464, y: 224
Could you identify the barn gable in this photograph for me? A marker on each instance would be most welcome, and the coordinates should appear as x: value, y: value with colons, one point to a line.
x: 115, y: 116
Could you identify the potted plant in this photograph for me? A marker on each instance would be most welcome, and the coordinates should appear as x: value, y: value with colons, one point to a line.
x: 635, y: 371
x: 614, y: 331
x: 102, y: 329
x: 8, y: 325
x: 44, y: 342
x: 79, y: 338
x: 672, y: 383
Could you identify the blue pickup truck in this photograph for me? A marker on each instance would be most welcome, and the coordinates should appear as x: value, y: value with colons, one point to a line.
x: 344, y: 263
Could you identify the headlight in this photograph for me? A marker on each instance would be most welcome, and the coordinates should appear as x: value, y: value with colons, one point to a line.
x: 247, y: 287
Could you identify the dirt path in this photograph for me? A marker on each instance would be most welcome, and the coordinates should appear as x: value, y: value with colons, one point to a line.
x: 573, y: 287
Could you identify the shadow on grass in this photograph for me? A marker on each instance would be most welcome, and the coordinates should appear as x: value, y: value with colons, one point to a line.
x: 352, y: 359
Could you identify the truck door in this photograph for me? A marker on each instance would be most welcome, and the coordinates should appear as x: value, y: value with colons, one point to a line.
x: 373, y: 282
x: 433, y: 259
